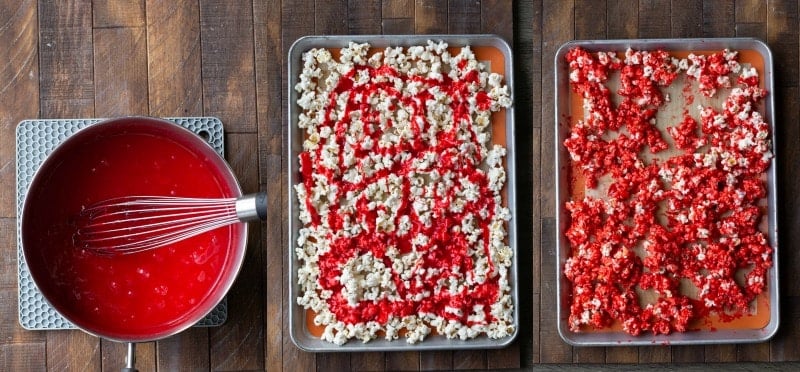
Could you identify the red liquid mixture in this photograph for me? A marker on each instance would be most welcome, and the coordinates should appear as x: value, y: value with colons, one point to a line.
x: 132, y: 296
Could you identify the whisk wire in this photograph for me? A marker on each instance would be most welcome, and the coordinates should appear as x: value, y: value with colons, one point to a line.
x: 133, y: 224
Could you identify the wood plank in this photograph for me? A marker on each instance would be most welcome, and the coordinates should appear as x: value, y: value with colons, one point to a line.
x: 73, y: 350
x: 686, y: 18
x: 397, y: 26
x: 750, y: 11
x: 239, y: 343
x: 397, y: 17
x: 469, y: 359
x: 753, y: 352
x: 720, y: 353
x: 718, y: 18
x: 226, y: 44
x: 296, y: 21
x: 464, y: 16
x: 623, y: 354
x: 554, y: 17
x: 368, y: 361
x: 756, y: 30
x: 553, y: 348
x: 783, y: 39
x: 652, y: 22
x: 437, y: 360
x: 187, y: 350
x: 333, y: 362
x: 589, y: 354
x: 331, y: 17
x: 270, y: 104
x: 19, y: 88
x: 173, y: 51
x: 430, y: 16
x: 625, y: 20
x: 655, y: 354
x: 403, y: 361
x: 120, y: 83
x: 10, y: 328
x: 782, y: 20
x: 497, y: 17
x: 23, y: 357
x: 364, y: 17
x: 66, y: 84
x: 534, y: 248
x: 118, y: 13
x: 589, y: 22
x: 391, y: 9
x: 688, y: 354
x: 786, y: 345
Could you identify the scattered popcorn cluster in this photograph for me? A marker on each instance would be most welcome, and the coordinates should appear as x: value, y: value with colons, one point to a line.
x: 403, y: 224
x: 693, y: 217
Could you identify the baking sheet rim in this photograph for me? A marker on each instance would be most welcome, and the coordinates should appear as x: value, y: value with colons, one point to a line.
x: 299, y: 335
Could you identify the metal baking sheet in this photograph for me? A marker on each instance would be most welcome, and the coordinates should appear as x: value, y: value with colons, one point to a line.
x: 297, y: 315
x: 562, y: 122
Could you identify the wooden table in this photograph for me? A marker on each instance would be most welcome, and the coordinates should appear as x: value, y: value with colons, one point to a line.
x: 227, y: 58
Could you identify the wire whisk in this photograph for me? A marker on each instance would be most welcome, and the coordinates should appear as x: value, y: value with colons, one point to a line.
x: 134, y: 224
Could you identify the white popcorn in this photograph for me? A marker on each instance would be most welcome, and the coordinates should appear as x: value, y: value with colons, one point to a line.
x: 385, y: 178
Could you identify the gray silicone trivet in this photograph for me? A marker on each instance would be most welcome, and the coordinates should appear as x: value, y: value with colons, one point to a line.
x: 35, y: 140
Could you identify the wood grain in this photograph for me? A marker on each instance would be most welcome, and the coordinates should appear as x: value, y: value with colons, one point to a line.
x: 23, y: 357
x: 238, y: 344
x: 527, y: 85
x: 331, y: 17
x: 686, y: 18
x: 430, y: 16
x: 652, y: 22
x: 750, y: 11
x: 364, y: 17
x: 590, y: 19
x: 464, y: 16
x: 188, y: 350
x: 120, y: 80
x: 497, y: 17
x: 173, y: 58
x: 296, y: 21
x: 19, y: 89
x: 624, y: 16
x: 718, y: 17
x: 227, y: 63
x: 118, y: 13
x: 392, y: 9
x: 269, y: 92
x: 66, y: 83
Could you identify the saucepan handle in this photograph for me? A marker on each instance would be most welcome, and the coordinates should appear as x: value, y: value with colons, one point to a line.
x: 130, y: 361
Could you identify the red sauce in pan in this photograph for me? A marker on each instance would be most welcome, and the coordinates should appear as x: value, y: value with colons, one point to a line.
x: 138, y: 295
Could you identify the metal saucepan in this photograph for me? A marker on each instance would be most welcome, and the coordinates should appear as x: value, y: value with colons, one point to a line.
x: 139, y: 297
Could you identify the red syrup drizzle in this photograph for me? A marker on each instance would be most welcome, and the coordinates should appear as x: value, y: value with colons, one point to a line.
x: 447, y: 249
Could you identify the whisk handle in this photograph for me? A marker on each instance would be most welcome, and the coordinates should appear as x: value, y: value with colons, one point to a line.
x: 252, y: 207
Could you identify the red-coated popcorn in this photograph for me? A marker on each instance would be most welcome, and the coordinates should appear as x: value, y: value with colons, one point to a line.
x: 690, y: 217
